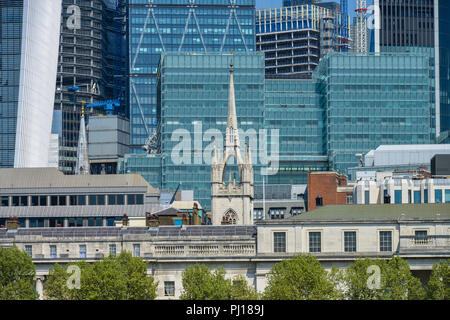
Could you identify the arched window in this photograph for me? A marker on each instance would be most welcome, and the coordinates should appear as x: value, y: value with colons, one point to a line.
x: 229, y: 218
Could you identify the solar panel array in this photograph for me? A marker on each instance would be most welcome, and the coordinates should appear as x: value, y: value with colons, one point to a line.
x: 164, y: 231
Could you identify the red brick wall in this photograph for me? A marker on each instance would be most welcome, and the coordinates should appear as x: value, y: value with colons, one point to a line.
x: 325, y: 184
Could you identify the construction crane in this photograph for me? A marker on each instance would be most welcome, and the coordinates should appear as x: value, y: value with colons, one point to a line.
x: 360, y: 42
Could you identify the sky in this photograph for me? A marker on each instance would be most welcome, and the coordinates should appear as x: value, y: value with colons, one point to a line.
x: 277, y: 4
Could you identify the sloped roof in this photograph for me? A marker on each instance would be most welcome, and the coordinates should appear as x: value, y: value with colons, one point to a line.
x: 28, y: 178
x: 377, y: 211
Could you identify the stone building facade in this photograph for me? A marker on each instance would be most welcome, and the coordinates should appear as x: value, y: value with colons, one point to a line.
x: 335, y: 235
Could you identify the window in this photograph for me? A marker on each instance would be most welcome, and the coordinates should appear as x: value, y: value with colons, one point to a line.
x: 258, y: 214
x: 137, y: 250
x: 447, y: 196
x: 279, y: 241
x: 169, y: 288
x: 409, y: 196
x: 35, y: 201
x: 296, y: 211
x: 315, y: 242
x: 398, y: 196
x: 421, y: 237
x: 135, y: 199
x: 82, y: 251
x: 81, y: 200
x: 24, y: 201
x: 77, y: 200
x: 15, y: 201
x: 277, y: 213
x: 366, y: 197
x: 319, y: 201
x: 96, y: 200
x: 350, y: 241
x: 29, y: 250
x: 349, y: 199
x: 62, y: 200
x: 4, y: 201
x: 386, y: 241
x: 229, y: 218
x: 43, y: 201
x: 425, y: 195
x: 112, y: 249
x: 52, y: 252
x: 54, y: 200
x: 417, y: 197
x: 438, y: 196
x: 111, y: 199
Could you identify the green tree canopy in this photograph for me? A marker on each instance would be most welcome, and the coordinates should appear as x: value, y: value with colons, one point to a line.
x: 201, y: 283
x: 439, y: 285
x: 300, y: 278
x: 114, y: 278
x: 396, y: 281
x: 17, y: 273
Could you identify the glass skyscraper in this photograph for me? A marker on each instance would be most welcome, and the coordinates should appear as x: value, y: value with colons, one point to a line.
x: 352, y: 104
x: 372, y: 100
x: 92, y: 57
x: 422, y: 27
x: 293, y: 107
x: 442, y: 21
x: 157, y: 26
x: 29, y: 57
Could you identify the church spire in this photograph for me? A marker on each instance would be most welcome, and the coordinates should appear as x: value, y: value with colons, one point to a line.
x: 82, y: 164
x: 232, y: 143
x: 232, y: 118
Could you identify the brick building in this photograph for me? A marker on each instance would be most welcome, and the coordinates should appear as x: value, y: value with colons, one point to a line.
x: 326, y: 188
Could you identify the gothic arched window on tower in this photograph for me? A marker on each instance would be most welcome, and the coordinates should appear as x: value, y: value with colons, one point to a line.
x: 230, y: 217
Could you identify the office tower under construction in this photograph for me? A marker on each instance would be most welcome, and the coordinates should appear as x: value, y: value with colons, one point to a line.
x: 92, y: 67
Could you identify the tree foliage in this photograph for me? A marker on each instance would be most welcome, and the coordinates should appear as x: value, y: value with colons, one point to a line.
x: 396, y: 281
x: 300, y: 278
x: 439, y: 285
x: 17, y: 273
x: 201, y: 283
x: 114, y: 278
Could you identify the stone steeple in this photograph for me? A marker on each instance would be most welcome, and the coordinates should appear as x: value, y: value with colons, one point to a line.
x: 232, y: 203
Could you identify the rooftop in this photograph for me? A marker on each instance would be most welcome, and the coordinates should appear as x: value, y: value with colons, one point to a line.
x: 29, y: 178
x: 375, y: 212
x: 166, y: 231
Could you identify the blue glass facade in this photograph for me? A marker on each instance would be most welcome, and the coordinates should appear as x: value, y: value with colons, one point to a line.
x: 353, y: 104
x: 196, y: 86
x: 11, y: 40
x: 444, y: 63
x: 157, y: 26
x: 293, y: 108
x: 373, y: 100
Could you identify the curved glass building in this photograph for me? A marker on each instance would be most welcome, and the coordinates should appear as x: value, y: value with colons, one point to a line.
x: 29, y: 58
